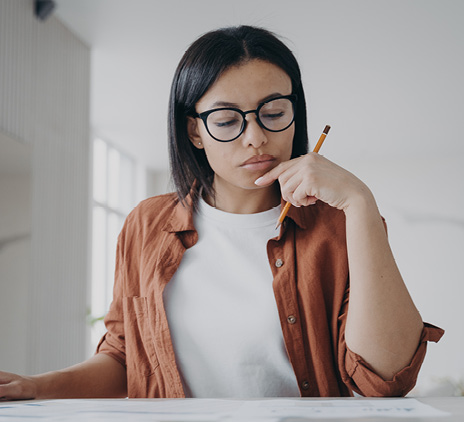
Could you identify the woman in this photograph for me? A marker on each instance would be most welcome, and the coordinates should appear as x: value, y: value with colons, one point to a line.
x: 210, y: 300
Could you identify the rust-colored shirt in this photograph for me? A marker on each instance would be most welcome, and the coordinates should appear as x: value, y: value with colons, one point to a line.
x: 311, y: 287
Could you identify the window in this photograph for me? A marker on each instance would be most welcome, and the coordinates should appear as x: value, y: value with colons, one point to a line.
x: 113, y: 199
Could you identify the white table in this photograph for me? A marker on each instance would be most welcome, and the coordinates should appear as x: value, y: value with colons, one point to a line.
x: 229, y: 410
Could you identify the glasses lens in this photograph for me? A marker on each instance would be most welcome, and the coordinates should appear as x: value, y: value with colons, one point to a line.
x: 277, y: 115
x: 224, y: 125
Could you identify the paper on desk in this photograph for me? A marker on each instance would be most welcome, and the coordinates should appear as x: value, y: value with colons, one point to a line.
x: 347, y: 408
x: 212, y: 410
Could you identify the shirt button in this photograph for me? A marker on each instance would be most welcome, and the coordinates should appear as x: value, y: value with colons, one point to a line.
x: 279, y: 263
x: 291, y: 319
x: 305, y: 385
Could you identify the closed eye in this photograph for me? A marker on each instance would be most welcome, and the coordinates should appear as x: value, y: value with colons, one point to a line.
x: 226, y: 123
x: 273, y: 116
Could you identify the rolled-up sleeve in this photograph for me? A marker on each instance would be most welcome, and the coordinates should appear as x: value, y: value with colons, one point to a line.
x: 361, y: 378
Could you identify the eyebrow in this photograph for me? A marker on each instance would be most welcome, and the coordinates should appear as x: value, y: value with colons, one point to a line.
x: 235, y: 105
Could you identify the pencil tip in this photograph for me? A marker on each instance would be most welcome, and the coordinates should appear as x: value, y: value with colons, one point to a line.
x: 277, y: 225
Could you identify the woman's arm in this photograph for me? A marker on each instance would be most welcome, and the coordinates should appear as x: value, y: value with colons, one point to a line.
x: 98, y: 377
x: 383, y: 326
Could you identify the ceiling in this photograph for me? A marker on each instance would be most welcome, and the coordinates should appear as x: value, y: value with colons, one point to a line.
x: 386, y: 74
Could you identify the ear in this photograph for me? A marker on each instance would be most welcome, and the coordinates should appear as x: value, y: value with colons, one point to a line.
x: 194, y: 133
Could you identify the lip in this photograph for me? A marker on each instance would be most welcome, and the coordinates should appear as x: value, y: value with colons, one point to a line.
x: 258, y: 162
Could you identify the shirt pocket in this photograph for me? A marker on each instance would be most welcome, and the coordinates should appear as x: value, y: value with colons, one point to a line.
x: 140, y: 347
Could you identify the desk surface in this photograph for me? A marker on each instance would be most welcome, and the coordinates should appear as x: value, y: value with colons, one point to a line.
x: 428, y: 409
x: 452, y: 405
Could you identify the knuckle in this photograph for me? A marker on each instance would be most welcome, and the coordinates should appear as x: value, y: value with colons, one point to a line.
x: 310, y: 157
x: 298, y: 196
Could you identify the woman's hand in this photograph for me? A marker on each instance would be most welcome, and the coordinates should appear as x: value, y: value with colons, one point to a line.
x: 16, y: 387
x: 311, y: 177
x: 101, y: 376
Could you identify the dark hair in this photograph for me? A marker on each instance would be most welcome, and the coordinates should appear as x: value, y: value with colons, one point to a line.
x: 202, y: 64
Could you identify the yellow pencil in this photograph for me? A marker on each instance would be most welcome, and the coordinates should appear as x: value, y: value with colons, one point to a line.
x: 316, y: 149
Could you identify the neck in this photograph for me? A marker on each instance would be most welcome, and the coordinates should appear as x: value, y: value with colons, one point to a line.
x: 245, y: 201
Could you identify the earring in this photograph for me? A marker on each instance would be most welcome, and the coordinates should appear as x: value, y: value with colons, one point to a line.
x: 199, y: 143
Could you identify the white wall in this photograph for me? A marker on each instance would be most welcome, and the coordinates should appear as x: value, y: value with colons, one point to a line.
x: 15, y: 225
x: 158, y: 182
x: 44, y: 104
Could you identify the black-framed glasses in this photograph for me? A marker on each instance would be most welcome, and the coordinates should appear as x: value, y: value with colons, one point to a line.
x: 226, y: 124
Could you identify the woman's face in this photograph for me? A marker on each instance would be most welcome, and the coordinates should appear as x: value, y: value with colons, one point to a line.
x: 237, y: 164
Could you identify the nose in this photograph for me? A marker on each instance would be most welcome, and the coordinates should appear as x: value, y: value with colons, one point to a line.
x: 253, y: 134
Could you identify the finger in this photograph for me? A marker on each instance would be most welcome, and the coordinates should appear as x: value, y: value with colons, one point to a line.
x: 5, y: 377
x: 15, y: 390
x: 287, y: 188
x: 301, y: 196
x: 303, y: 191
x: 272, y: 175
x: 13, y: 387
x: 308, y: 200
x: 287, y: 195
x: 6, y: 391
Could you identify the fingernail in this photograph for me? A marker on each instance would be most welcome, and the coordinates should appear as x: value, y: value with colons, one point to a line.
x: 258, y: 180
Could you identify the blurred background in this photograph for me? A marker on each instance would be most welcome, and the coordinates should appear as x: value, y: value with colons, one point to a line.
x: 83, y: 109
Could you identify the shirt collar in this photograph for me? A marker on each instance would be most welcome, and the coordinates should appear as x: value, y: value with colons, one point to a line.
x: 181, y: 218
x: 302, y: 216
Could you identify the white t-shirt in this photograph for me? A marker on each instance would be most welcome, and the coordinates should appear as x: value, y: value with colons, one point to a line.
x: 222, y: 313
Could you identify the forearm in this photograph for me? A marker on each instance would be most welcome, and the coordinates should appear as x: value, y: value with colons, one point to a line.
x: 100, y: 376
x: 383, y: 325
